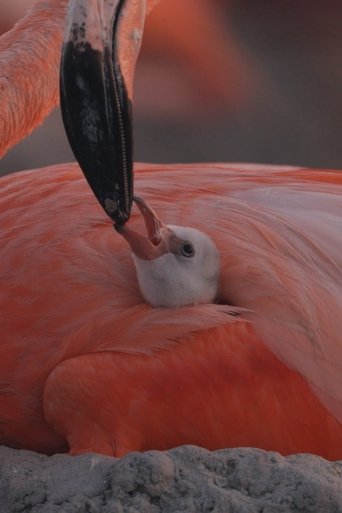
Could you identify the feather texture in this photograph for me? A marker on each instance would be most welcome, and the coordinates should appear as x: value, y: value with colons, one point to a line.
x: 70, y: 301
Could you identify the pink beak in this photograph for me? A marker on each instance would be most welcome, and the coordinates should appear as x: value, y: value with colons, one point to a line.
x: 160, y: 239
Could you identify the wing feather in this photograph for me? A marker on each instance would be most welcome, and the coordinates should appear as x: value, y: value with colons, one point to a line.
x: 143, y: 329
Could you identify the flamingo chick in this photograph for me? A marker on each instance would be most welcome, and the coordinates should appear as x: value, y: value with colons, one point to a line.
x: 175, y: 265
x: 85, y: 364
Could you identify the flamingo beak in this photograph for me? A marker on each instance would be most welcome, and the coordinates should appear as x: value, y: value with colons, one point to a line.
x: 160, y: 238
x: 97, y: 70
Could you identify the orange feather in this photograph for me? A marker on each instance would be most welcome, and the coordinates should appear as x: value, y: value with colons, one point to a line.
x: 85, y: 364
x: 84, y: 360
x: 31, y: 49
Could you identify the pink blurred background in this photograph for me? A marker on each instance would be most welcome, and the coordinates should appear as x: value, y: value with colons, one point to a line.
x: 224, y: 80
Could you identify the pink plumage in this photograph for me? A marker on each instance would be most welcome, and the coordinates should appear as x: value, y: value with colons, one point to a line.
x: 73, y: 318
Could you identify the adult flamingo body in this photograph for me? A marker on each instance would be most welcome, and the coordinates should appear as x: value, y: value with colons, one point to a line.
x: 84, y: 356
x: 86, y: 363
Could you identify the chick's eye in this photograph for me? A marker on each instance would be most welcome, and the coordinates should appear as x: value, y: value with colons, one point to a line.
x: 186, y: 249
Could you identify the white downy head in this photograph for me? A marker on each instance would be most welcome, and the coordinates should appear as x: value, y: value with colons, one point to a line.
x: 175, y: 265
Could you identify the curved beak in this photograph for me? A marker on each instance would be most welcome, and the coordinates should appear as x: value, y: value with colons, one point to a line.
x: 101, y: 45
x: 160, y: 238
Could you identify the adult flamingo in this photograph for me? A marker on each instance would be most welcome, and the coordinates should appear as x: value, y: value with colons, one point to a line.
x: 32, y: 48
x: 87, y: 364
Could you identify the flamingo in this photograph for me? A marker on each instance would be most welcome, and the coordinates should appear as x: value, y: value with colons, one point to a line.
x: 205, y: 48
x: 98, y: 355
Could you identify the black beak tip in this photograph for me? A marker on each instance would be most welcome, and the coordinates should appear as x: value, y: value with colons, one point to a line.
x: 97, y: 113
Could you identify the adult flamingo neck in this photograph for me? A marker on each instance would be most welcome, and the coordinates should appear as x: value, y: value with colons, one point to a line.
x: 29, y: 68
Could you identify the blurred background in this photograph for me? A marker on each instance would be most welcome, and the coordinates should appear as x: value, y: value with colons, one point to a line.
x: 224, y: 80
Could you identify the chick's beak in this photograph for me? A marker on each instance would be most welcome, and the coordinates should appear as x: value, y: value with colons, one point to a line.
x: 159, y: 240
